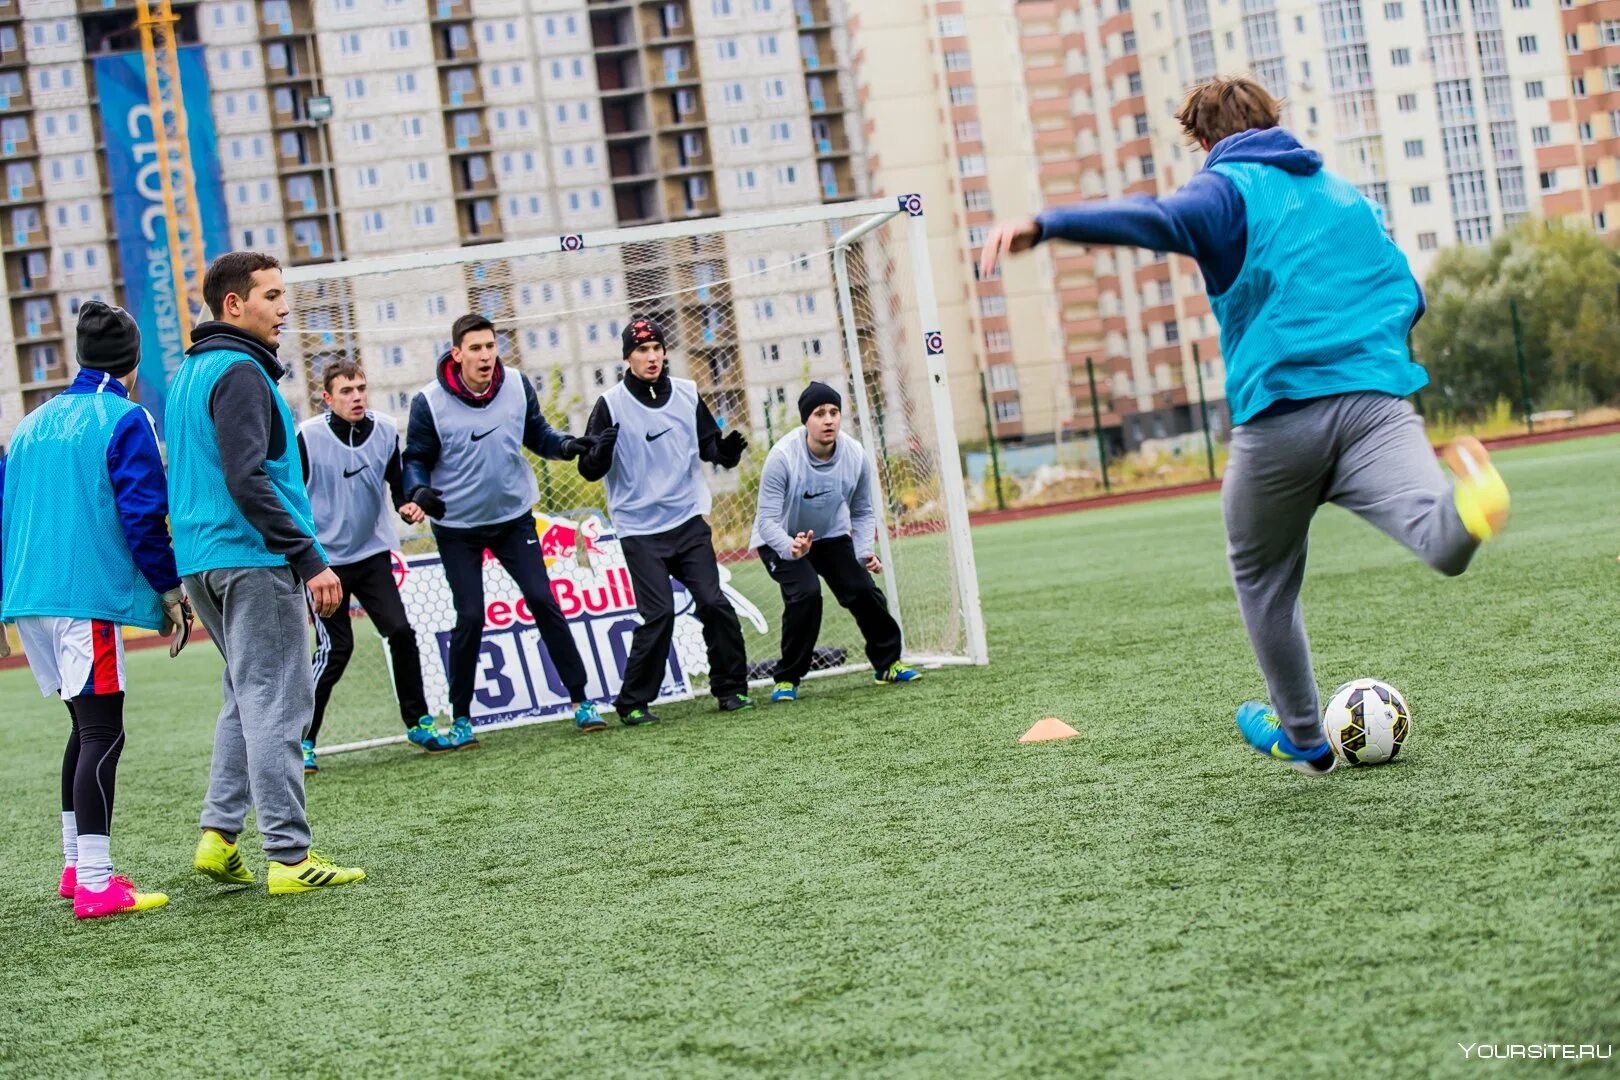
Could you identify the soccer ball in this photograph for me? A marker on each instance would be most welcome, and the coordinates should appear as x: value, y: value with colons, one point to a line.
x: 1367, y: 721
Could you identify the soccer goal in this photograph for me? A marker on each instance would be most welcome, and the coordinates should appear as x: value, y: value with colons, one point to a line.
x: 754, y: 306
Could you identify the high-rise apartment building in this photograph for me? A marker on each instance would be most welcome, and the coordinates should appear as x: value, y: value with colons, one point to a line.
x: 446, y: 122
x: 1459, y: 117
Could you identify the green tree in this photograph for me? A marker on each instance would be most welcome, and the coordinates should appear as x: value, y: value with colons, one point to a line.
x: 1566, y: 282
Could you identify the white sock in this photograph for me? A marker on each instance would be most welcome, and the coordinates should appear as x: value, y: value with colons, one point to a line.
x: 95, y: 862
x: 70, y: 838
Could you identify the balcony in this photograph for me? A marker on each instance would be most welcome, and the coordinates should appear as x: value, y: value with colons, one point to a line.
x: 816, y: 50
x: 823, y: 94
x: 25, y: 229
x: 289, y: 61
x: 21, y: 184
x: 666, y: 22
x: 465, y: 131
x: 13, y: 92
x: 28, y: 272
x: 449, y: 10
x: 479, y: 220
x: 309, y: 241
x: 678, y: 108
x: 811, y: 14
x: 303, y: 195
x: 633, y: 203
x: 618, y: 74
x: 829, y: 136
x: 459, y: 87
x: 299, y: 150
x: 11, y: 45
x: 453, y: 44
x: 682, y: 152
x: 285, y: 18
x: 612, y: 31
x: 629, y: 161
x: 674, y: 65
x: 690, y: 197
x: 472, y: 175
x: 35, y: 320
x: 835, y: 180
x: 624, y: 117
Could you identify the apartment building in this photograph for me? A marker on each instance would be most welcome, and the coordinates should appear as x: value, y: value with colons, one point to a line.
x: 350, y: 129
x: 1432, y: 107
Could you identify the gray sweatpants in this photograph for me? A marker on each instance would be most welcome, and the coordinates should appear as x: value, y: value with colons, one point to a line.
x: 1365, y: 452
x: 257, y: 617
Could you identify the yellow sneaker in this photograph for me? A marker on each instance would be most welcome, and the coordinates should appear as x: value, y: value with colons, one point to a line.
x: 220, y: 860
x: 1480, y: 494
x: 315, y: 872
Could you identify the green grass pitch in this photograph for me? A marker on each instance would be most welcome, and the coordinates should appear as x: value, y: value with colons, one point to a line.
x: 882, y: 881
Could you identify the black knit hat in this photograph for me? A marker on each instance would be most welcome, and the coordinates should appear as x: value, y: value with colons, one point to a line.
x: 816, y: 395
x: 639, y: 332
x: 108, y: 339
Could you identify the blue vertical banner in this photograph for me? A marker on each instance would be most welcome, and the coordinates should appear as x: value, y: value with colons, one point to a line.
x: 134, y: 174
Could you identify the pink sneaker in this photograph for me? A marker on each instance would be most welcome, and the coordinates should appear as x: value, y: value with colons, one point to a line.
x: 118, y: 896
x: 70, y: 882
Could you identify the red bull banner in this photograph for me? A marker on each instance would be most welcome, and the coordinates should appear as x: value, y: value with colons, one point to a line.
x: 591, y: 584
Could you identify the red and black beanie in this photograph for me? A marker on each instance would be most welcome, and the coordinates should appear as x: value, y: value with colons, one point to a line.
x: 639, y: 332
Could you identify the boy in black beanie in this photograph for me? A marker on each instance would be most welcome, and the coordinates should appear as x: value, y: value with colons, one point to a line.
x: 657, y: 496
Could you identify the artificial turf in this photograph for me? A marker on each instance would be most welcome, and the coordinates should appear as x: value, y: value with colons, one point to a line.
x: 882, y: 881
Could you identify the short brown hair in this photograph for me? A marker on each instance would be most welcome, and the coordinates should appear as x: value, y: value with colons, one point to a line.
x: 233, y: 273
x: 470, y: 323
x: 1220, y: 108
x: 341, y: 368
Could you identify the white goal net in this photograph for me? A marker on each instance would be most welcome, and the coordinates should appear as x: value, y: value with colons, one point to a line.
x: 753, y: 307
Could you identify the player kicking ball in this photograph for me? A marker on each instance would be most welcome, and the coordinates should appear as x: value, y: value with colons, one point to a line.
x: 356, y: 484
x: 464, y: 467
x: 85, y: 549
x: 1315, y: 303
x: 653, y: 434
x: 816, y: 519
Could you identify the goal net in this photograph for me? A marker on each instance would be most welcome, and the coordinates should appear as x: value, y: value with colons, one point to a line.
x: 753, y: 307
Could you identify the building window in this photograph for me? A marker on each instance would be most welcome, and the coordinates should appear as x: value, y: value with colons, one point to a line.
x: 1400, y: 57
x: 1413, y: 148
x: 1527, y: 44
x: 1534, y: 90
x: 1392, y: 10
x: 971, y: 164
x: 1008, y: 411
x: 1127, y: 42
x: 963, y: 95
x: 1420, y: 195
x: 1406, y: 103
x: 1428, y: 241
x: 1549, y: 180
x: 957, y: 60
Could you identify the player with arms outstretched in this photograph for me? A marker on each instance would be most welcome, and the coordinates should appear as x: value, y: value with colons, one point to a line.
x: 356, y: 485
x: 1315, y: 303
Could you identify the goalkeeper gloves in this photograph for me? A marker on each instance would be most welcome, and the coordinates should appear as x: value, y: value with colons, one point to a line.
x: 176, y: 620
x: 731, y: 450
x: 430, y: 499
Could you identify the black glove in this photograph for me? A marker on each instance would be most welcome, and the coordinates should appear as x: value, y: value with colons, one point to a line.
x: 430, y: 499
x: 606, y: 440
x: 731, y: 449
x: 573, y: 448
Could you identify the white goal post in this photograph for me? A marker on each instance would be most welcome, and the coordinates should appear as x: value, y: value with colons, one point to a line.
x: 754, y: 305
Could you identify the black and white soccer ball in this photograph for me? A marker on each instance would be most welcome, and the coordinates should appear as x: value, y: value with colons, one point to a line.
x: 1367, y: 722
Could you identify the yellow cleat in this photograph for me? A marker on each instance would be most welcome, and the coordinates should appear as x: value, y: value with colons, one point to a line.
x: 1480, y: 494
x: 315, y: 872
x: 220, y: 860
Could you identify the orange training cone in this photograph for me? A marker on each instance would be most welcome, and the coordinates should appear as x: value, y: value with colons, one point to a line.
x: 1047, y: 730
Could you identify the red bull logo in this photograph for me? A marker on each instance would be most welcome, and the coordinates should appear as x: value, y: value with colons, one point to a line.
x: 563, y: 540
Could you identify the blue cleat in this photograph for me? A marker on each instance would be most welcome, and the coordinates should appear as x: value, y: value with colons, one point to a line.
x: 309, y: 758
x: 587, y: 718
x: 897, y: 673
x: 784, y: 691
x: 461, y: 734
x: 1263, y: 731
x: 426, y: 736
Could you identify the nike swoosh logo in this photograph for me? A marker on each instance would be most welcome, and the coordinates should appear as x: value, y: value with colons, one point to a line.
x: 1276, y: 752
x: 347, y: 475
x: 485, y: 435
x: 815, y: 495
x: 661, y: 434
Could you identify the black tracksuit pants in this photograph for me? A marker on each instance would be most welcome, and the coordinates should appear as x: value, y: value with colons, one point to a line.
x: 685, y: 553
x: 517, y: 546
x: 370, y: 581
x: 852, y: 586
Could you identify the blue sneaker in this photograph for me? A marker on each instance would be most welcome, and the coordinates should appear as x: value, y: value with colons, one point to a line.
x: 586, y: 717
x: 309, y: 758
x: 1262, y: 731
x: 785, y: 691
x: 461, y: 734
x: 897, y: 673
x: 427, y: 736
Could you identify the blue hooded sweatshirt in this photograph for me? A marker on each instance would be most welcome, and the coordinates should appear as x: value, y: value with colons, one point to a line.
x: 1313, y: 297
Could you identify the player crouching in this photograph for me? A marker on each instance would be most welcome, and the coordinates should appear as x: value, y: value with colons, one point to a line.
x: 816, y: 519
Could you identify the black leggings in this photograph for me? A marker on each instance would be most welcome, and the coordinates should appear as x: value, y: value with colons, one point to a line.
x: 90, y: 763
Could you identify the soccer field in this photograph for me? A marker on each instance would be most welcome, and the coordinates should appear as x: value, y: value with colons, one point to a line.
x: 882, y: 881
